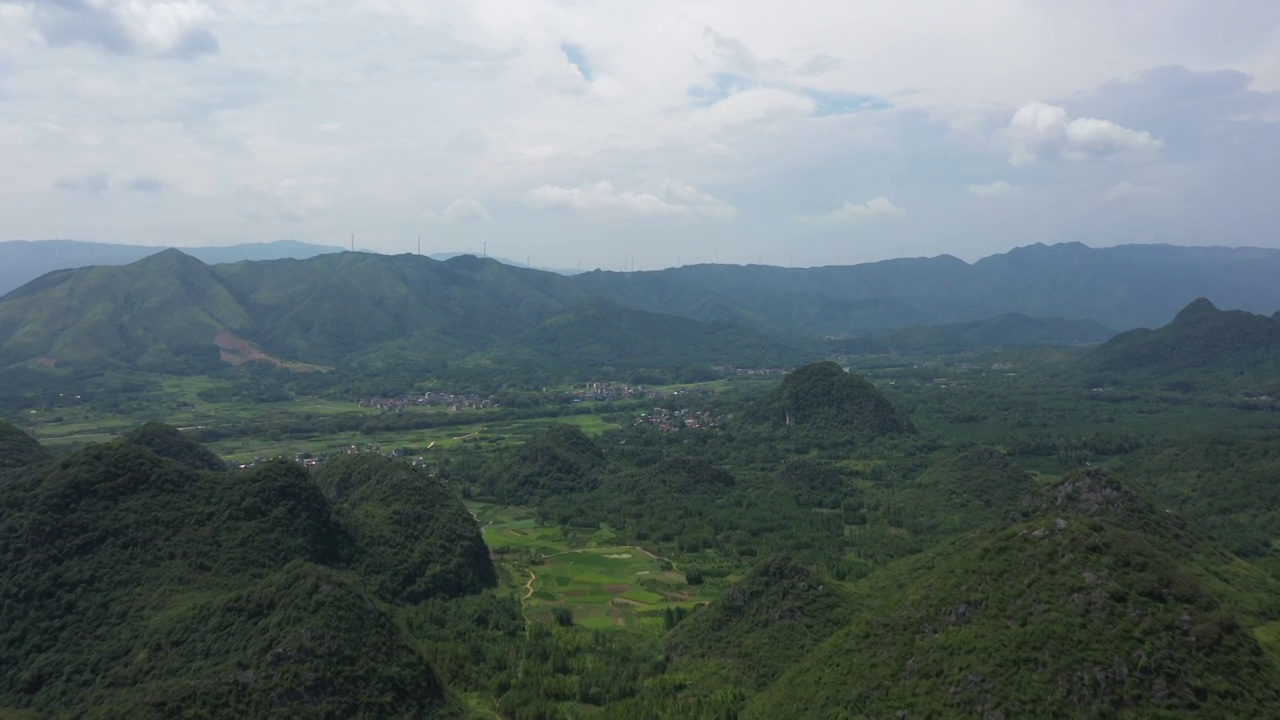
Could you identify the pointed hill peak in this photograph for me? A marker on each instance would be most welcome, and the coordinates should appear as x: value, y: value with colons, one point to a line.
x: 168, y: 256
x: 823, y: 398
x: 1199, y: 306
x: 1094, y: 493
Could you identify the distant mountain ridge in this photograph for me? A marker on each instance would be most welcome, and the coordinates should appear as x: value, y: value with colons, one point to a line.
x: 1010, y: 330
x: 22, y: 261
x: 1202, y: 342
x: 163, y: 312
x: 166, y: 312
x: 1121, y: 287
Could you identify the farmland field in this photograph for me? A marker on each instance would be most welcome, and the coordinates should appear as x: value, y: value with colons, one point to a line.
x: 603, y: 585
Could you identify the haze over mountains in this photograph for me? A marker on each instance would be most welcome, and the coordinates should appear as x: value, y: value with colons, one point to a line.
x: 22, y: 261
x: 166, y: 311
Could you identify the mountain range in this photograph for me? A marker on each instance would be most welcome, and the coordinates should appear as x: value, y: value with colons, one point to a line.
x: 172, y: 312
x: 22, y: 261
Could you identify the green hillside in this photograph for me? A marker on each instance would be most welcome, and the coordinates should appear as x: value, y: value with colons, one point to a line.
x: 1095, y: 606
x: 138, y: 581
x: 413, y: 539
x: 823, y: 399
x: 560, y: 460
x: 765, y: 623
x: 960, y: 493
x: 1202, y: 345
x: 23, y: 261
x: 160, y: 313
x: 18, y: 449
x: 171, y: 313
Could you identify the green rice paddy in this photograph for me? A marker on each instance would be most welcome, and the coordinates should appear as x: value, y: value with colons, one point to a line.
x: 611, y: 586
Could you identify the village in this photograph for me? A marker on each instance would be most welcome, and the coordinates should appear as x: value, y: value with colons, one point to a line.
x: 673, y: 420
x: 456, y: 401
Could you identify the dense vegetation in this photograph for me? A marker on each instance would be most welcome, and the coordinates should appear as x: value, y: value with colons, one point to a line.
x: 141, y: 584
x: 1074, y: 612
x: 374, y: 313
x: 1202, y: 347
x: 413, y: 539
x: 1032, y: 532
x: 823, y: 400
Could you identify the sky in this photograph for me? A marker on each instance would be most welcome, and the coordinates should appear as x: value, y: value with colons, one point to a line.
x: 642, y: 135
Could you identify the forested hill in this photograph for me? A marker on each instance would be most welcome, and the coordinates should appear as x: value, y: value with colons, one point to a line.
x: 23, y: 261
x: 1202, y: 345
x: 821, y: 399
x: 1096, y: 605
x: 170, y: 312
x: 137, y: 580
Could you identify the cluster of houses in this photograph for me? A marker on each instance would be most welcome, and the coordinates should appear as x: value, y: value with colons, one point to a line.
x: 672, y: 420
x: 457, y: 401
x: 726, y: 370
x: 611, y: 391
x: 984, y: 366
x: 308, y: 460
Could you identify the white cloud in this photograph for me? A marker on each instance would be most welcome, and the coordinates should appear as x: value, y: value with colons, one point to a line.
x: 1126, y: 190
x: 176, y: 28
x: 999, y: 188
x: 1038, y: 129
x: 674, y: 199
x: 465, y: 210
x: 163, y: 27
x: 1091, y: 136
x: 874, y: 209
x: 329, y: 111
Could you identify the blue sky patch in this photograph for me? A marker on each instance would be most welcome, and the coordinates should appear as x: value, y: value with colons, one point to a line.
x: 838, y: 103
x: 578, y: 59
x: 722, y: 85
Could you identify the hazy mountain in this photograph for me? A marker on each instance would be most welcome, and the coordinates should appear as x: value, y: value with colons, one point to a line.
x: 22, y: 261
x: 504, y: 261
x: 1121, y: 287
x: 165, y: 311
x: 598, y: 332
x: 1202, y: 344
x: 1005, y: 331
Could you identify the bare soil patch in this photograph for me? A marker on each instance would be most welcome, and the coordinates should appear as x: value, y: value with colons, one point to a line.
x: 237, y: 351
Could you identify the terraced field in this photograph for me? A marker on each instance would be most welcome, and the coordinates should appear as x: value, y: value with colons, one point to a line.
x: 605, y: 586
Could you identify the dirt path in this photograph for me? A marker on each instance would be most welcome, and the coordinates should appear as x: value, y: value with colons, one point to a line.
x: 657, y: 557
x: 529, y: 587
x: 484, y: 529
